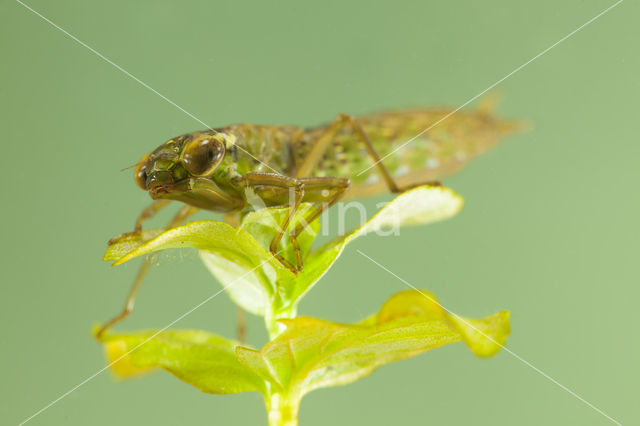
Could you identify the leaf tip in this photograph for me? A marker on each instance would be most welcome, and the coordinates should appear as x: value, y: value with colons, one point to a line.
x: 486, y: 336
x: 117, y: 353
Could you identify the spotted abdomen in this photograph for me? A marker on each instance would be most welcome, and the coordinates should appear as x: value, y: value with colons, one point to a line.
x: 415, y: 149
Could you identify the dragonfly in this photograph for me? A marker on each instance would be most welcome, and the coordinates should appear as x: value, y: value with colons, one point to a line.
x: 222, y: 169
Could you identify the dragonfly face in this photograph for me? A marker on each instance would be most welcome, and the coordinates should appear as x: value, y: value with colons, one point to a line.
x: 182, y: 169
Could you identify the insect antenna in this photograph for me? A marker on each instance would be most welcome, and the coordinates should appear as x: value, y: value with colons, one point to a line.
x: 132, y: 166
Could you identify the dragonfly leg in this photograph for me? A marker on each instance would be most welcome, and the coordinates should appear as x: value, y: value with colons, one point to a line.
x: 146, y: 214
x: 241, y: 325
x: 294, y: 189
x: 324, y: 142
x: 320, y: 146
x: 131, y: 299
x: 180, y: 217
x: 326, y: 191
x: 364, y: 138
x: 233, y: 219
x: 149, y: 212
x: 322, y: 191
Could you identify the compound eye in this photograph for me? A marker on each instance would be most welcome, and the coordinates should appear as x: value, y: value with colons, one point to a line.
x: 141, y: 173
x: 202, y: 156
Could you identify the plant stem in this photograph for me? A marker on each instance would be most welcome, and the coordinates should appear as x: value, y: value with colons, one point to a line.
x: 282, y: 410
x: 274, y: 328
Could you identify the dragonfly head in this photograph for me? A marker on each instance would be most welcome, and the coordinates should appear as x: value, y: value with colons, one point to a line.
x: 182, y: 169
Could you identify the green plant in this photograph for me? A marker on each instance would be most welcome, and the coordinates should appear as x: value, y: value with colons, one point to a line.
x: 303, y: 353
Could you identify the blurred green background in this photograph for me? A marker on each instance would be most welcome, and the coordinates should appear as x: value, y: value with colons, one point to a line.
x: 550, y: 228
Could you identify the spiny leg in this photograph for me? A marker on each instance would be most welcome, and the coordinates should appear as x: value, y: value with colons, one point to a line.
x: 320, y: 146
x: 241, y: 325
x: 131, y: 299
x: 324, y: 191
x: 324, y: 142
x: 233, y: 219
x: 364, y: 138
x: 180, y: 217
x: 146, y: 214
x: 294, y: 192
x: 149, y: 212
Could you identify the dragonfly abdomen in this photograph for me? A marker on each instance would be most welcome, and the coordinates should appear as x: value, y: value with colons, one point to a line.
x: 413, y: 147
x: 416, y: 145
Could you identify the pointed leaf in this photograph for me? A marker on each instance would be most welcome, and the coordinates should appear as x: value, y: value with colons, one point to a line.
x: 417, y: 206
x: 246, y: 269
x: 122, y: 244
x: 312, y: 353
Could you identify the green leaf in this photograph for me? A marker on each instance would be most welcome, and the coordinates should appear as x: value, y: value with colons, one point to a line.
x: 247, y: 270
x: 417, y: 206
x: 201, y: 359
x: 263, y: 294
x: 484, y: 336
x: 122, y: 244
x: 310, y: 353
x: 241, y: 261
x: 313, y: 353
